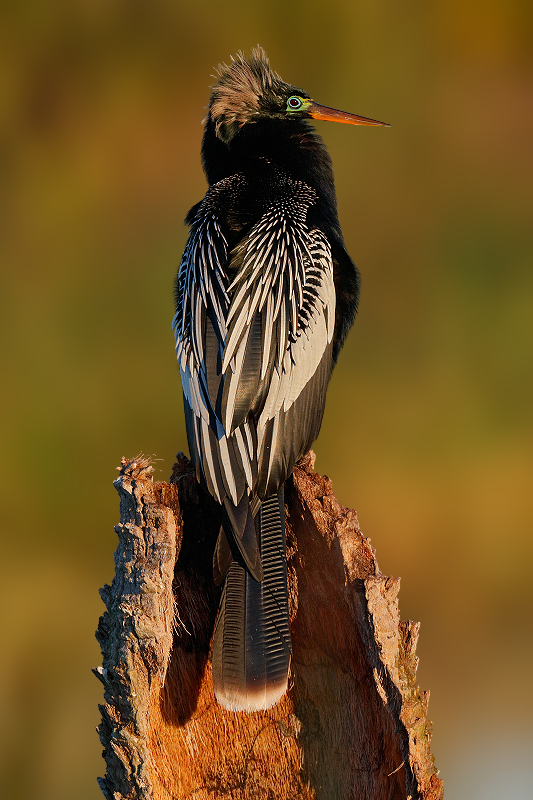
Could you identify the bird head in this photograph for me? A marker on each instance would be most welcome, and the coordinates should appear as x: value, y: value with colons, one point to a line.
x: 248, y: 91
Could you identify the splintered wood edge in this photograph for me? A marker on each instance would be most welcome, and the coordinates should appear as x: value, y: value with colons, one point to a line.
x: 392, y: 646
x: 135, y: 631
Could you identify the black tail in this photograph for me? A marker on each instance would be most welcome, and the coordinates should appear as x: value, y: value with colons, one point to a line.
x: 252, y: 644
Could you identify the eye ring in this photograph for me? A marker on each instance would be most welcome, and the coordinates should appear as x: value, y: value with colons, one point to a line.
x: 294, y: 103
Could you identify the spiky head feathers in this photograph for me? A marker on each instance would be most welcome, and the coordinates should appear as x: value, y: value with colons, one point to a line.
x: 248, y: 90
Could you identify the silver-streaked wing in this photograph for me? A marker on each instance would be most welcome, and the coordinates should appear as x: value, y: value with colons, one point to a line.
x: 253, y: 353
x: 280, y: 324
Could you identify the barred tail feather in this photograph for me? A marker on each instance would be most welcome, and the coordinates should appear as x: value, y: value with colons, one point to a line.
x: 252, y: 646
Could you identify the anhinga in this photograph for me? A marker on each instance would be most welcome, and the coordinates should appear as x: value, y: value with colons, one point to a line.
x: 265, y: 296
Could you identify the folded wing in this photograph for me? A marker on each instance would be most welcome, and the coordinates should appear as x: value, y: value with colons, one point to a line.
x: 254, y: 330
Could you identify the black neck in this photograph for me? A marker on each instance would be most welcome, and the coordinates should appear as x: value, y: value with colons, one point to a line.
x: 291, y: 145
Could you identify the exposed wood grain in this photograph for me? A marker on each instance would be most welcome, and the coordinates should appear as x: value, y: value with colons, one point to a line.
x: 353, y: 723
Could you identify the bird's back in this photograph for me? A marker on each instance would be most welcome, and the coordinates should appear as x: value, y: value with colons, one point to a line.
x: 254, y: 328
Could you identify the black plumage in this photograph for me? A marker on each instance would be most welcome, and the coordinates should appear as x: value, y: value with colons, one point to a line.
x: 265, y: 296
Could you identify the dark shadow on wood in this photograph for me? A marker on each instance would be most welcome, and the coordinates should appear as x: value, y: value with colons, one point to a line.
x: 196, y: 597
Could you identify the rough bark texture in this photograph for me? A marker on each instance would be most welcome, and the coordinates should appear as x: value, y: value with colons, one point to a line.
x: 353, y: 724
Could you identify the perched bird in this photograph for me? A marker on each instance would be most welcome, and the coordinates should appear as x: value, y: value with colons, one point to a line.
x: 265, y: 296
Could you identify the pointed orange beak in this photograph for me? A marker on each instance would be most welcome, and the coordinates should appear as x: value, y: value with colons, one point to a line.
x: 317, y: 111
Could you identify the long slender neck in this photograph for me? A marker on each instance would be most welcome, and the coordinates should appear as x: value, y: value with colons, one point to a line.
x: 291, y: 145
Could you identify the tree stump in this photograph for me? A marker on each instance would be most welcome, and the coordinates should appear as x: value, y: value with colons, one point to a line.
x: 353, y: 723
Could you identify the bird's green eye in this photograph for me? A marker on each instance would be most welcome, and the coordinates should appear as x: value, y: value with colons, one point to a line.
x: 294, y: 103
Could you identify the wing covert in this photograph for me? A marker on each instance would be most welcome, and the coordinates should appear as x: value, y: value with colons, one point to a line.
x: 285, y: 280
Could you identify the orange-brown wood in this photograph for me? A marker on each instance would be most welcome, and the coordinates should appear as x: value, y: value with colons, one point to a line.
x: 353, y: 723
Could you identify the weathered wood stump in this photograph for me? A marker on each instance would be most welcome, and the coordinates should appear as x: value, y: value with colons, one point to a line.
x: 353, y: 723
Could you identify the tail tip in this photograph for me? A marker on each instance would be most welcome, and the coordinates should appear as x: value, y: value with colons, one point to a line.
x: 232, y: 699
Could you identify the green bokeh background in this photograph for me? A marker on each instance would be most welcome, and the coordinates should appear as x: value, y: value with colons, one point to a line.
x: 428, y: 428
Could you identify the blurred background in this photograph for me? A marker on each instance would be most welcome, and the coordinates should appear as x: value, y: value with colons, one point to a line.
x: 428, y: 428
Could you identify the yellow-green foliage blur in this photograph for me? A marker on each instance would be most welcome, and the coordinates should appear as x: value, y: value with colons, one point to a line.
x: 428, y: 426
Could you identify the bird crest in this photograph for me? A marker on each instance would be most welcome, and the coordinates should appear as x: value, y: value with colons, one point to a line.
x: 241, y: 86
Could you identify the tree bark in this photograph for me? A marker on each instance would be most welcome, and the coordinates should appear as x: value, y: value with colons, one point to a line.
x: 353, y: 723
